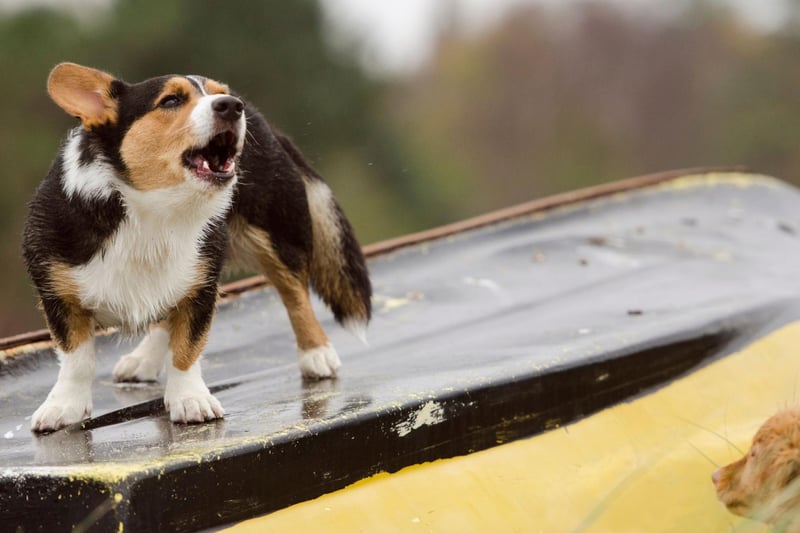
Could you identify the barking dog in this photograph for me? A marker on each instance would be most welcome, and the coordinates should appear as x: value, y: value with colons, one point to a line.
x: 162, y: 181
x: 765, y: 483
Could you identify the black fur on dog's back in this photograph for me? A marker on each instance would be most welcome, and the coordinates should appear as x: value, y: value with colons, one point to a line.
x: 347, y: 295
x: 272, y: 194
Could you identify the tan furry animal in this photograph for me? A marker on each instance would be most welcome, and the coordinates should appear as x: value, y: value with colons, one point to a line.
x: 763, y: 484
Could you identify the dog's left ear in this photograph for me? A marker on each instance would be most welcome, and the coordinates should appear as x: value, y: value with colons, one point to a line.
x: 790, y: 472
x: 83, y: 92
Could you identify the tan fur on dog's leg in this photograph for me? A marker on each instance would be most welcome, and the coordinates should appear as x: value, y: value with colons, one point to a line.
x: 186, y: 395
x: 317, y: 357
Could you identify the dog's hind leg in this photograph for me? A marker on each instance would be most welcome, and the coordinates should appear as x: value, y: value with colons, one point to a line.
x: 338, y: 271
x: 316, y: 355
x: 146, y: 361
x: 253, y: 248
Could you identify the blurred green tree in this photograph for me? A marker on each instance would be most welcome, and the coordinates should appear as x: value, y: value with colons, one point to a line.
x: 545, y: 101
x: 551, y: 101
x: 271, y: 52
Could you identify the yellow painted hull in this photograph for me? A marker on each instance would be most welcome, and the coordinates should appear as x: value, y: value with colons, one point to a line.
x: 641, y: 466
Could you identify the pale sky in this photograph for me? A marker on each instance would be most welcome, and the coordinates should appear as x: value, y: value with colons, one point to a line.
x: 397, y: 36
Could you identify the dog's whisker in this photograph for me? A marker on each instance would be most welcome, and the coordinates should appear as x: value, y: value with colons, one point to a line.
x: 698, y: 450
x: 725, y: 420
x: 249, y: 135
x: 716, y: 433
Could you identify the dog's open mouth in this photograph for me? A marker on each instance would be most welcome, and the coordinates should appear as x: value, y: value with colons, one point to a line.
x: 216, y: 161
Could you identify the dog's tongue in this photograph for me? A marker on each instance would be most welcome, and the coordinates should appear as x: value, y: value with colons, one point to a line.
x: 204, y: 169
x: 201, y: 164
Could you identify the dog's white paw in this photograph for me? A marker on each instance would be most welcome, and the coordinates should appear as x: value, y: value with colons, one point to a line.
x: 62, y: 408
x: 70, y: 399
x: 194, y: 409
x: 187, y: 398
x: 133, y: 367
x: 146, y: 361
x: 319, y: 363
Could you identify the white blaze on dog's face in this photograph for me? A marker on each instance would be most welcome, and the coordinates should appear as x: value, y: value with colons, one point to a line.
x: 161, y: 133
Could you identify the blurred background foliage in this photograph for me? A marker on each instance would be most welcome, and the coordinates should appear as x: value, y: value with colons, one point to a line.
x: 545, y: 99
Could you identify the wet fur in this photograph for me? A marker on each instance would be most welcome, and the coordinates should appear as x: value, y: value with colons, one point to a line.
x: 120, y: 234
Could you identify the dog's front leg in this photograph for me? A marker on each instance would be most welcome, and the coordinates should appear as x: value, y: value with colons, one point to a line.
x: 186, y: 395
x: 70, y: 399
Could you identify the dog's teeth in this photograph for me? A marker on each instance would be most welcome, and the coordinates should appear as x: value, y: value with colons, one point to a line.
x: 205, y: 166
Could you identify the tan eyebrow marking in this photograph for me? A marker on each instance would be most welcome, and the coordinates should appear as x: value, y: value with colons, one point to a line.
x: 175, y: 86
x: 215, y: 87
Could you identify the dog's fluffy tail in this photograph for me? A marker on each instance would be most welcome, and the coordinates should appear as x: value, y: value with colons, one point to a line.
x: 338, y: 270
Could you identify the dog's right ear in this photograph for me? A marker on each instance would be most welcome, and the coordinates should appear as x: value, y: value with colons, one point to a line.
x: 83, y: 92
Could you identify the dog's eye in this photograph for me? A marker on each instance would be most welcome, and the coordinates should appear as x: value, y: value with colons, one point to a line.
x: 171, y: 100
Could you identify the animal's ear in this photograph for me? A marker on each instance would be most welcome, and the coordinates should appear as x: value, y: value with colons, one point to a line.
x: 790, y: 472
x: 83, y: 92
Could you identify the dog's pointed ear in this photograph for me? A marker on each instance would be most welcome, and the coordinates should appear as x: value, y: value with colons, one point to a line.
x: 83, y: 92
x: 790, y: 472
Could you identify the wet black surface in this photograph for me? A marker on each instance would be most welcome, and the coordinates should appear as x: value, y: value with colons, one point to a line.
x: 477, y: 339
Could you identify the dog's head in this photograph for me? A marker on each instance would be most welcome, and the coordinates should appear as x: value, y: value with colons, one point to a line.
x: 158, y: 133
x: 765, y: 483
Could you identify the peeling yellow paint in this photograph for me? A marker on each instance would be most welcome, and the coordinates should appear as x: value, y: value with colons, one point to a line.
x: 739, y: 179
x: 553, y: 423
x: 388, y: 303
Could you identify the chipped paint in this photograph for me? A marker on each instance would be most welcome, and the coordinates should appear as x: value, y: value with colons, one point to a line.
x: 553, y: 423
x: 723, y: 256
x: 737, y: 179
x: 431, y: 413
x: 388, y: 303
x: 485, y: 283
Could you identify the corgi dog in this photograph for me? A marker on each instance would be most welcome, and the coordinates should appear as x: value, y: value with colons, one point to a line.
x: 163, y: 184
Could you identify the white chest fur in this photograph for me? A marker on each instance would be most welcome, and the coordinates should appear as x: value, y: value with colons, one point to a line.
x: 153, y: 259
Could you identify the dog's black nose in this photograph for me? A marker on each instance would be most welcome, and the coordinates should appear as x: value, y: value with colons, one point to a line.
x: 228, y: 108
